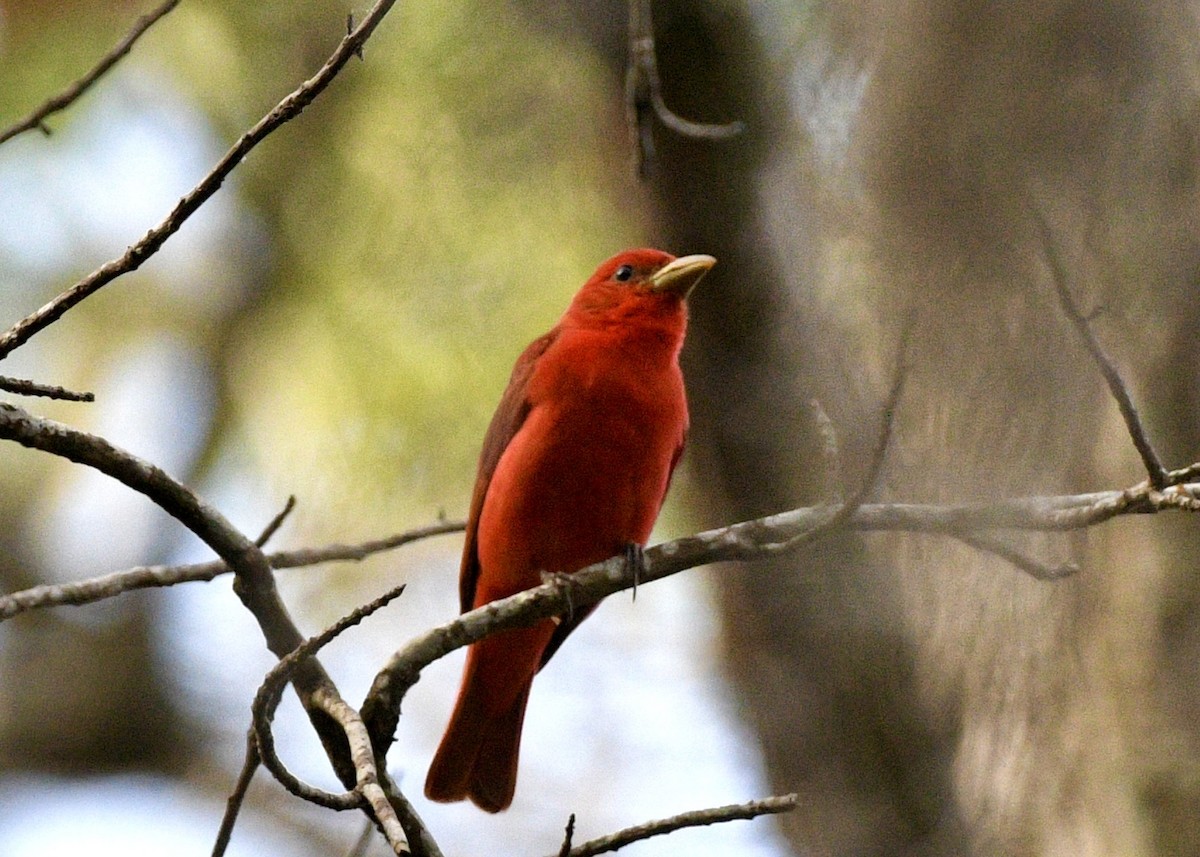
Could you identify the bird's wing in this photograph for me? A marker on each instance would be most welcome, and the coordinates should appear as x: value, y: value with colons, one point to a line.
x: 506, y: 422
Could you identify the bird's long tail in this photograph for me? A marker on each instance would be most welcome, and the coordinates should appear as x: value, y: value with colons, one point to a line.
x: 477, y: 758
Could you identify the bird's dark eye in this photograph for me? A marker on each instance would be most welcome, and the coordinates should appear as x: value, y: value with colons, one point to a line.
x: 623, y: 273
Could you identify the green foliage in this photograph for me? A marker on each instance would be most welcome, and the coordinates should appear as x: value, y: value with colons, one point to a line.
x: 452, y: 198
x: 417, y: 225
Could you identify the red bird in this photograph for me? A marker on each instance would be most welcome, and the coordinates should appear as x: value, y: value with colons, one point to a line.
x: 574, y: 468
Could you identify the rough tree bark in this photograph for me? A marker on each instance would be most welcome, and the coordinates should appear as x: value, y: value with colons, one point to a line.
x: 924, y: 698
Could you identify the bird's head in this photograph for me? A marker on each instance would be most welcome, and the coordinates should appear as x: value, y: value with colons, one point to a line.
x: 639, y: 283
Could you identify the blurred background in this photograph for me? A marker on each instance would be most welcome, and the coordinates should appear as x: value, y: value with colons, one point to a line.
x: 338, y: 322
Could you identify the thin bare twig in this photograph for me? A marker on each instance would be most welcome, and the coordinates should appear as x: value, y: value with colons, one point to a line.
x: 695, y: 818
x: 838, y: 513
x: 152, y: 241
x: 1157, y: 473
x: 568, y: 836
x: 47, y: 391
x: 233, y: 806
x: 273, y: 527
x: 144, y: 577
x: 1029, y: 565
x: 37, y: 119
x: 643, y: 93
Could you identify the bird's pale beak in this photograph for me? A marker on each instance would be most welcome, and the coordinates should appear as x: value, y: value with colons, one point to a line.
x: 681, y: 275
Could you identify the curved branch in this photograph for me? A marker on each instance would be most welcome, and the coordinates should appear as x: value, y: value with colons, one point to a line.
x: 643, y: 94
x: 395, y: 817
x: 286, y: 110
x: 254, y: 580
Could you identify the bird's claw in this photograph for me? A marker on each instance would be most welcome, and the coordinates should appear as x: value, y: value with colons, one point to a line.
x: 635, y: 562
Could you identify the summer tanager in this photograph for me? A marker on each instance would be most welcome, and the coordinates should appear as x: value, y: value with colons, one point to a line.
x: 574, y: 468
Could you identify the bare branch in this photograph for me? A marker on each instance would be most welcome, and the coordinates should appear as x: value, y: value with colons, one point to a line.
x: 273, y: 527
x: 254, y: 581
x: 286, y: 110
x: 37, y: 119
x: 396, y: 818
x: 143, y: 577
x: 568, y: 836
x: 419, y: 838
x: 1029, y: 565
x: 643, y: 93
x: 47, y: 391
x: 233, y: 806
x: 837, y: 514
x: 695, y: 818
x: 1133, y: 422
x: 749, y: 540
x: 270, y: 693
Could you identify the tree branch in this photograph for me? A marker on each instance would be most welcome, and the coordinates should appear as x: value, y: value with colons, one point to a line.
x: 396, y: 818
x: 47, y: 391
x: 233, y: 806
x: 144, y: 577
x: 37, y: 119
x: 286, y: 110
x: 254, y: 581
x: 1157, y: 473
x: 749, y: 540
x: 643, y: 93
x: 695, y: 818
x: 1015, y: 558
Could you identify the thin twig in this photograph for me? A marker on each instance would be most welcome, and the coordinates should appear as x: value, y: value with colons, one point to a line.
x: 643, y: 93
x: 233, y: 806
x: 47, y: 391
x: 1157, y: 473
x: 273, y: 527
x: 37, y: 119
x: 568, y: 836
x: 1027, y: 564
x: 286, y: 110
x: 838, y: 513
x: 144, y: 577
x: 695, y: 818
